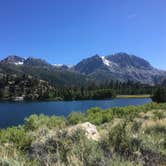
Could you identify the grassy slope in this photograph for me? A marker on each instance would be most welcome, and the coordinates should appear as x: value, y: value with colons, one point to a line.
x: 129, y: 136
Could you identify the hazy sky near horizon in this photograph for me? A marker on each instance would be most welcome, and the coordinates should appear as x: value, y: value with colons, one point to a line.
x: 66, y: 31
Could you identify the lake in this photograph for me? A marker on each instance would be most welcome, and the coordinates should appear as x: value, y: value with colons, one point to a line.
x: 13, y: 113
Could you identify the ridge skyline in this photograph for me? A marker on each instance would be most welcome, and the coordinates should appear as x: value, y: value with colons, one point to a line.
x: 73, y: 64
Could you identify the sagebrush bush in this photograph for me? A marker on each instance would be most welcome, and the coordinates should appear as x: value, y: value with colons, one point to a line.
x: 16, y: 136
x: 34, y: 122
x: 8, y: 162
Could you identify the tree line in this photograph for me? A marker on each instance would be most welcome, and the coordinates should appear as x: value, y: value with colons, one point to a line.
x: 31, y: 88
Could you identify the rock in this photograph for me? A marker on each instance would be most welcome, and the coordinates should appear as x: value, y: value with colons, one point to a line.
x: 90, y: 130
x: 19, y: 98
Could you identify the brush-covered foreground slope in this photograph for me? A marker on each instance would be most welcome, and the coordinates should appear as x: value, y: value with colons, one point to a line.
x: 127, y: 136
x: 122, y: 67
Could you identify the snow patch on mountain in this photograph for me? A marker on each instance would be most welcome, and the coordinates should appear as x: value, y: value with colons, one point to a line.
x: 62, y: 65
x: 58, y: 65
x: 108, y: 62
x: 69, y: 66
x: 19, y: 63
x: 105, y: 61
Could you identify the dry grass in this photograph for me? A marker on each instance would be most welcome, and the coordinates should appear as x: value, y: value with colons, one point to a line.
x: 147, y: 115
x: 133, y: 96
x: 152, y: 124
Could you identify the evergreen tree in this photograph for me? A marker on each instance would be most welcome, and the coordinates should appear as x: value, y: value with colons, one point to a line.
x: 159, y: 95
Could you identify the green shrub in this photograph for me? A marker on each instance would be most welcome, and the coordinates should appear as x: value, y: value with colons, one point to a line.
x: 76, y: 117
x: 121, y: 162
x: 118, y: 138
x: 156, y: 129
x: 8, y: 162
x: 159, y: 114
x: 33, y: 122
x: 136, y: 126
x: 87, y: 151
x: 55, y: 121
x: 106, y: 116
x: 93, y: 110
x: 16, y: 136
x: 98, y: 116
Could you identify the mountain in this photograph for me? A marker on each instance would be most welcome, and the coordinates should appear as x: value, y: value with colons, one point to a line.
x: 34, y: 62
x: 13, y: 59
x: 127, y: 61
x: 90, y: 65
x: 62, y: 66
x: 122, y: 67
x: 42, y: 70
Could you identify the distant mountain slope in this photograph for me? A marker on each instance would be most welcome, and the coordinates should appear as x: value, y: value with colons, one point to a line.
x: 40, y: 69
x: 122, y: 67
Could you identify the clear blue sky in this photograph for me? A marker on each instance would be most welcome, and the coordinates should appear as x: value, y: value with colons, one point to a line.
x: 65, y: 31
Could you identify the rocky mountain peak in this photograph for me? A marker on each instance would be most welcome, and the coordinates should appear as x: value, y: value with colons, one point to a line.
x: 13, y: 59
x: 89, y: 65
x: 126, y: 60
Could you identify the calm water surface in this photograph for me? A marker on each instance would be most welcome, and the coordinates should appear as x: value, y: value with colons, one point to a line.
x: 13, y: 113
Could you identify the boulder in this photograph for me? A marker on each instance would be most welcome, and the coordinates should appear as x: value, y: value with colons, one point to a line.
x: 90, y: 130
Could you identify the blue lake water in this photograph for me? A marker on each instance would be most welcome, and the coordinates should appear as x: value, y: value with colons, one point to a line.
x: 13, y: 113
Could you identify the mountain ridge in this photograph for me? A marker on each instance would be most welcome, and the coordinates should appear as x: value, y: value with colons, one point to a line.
x: 120, y: 66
